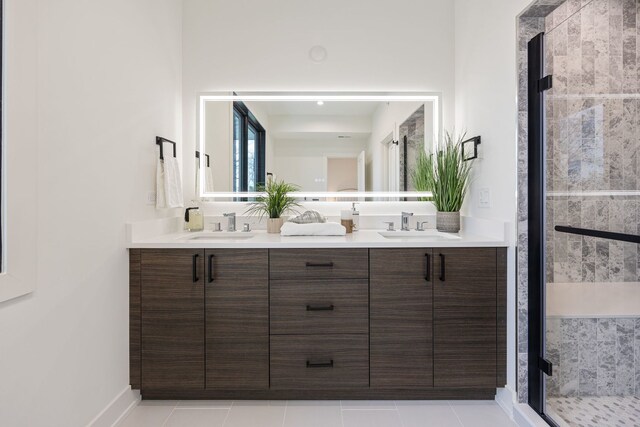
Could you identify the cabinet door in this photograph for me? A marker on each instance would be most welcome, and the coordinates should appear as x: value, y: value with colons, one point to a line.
x: 172, y: 312
x: 401, y: 318
x: 464, y: 316
x: 237, y: 318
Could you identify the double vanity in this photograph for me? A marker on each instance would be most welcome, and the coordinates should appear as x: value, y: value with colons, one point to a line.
x: 370, y: 315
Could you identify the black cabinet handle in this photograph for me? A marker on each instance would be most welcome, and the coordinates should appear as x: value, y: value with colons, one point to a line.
x: 320, y: 264
x: 195, y: 268
x: 427, y: 270
x: 211, y: 278
x: 442, y: 267
x: 320, y: 307
x: 328, y: 364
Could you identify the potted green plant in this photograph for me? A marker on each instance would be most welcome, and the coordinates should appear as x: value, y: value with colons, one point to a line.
x: 447, y: 176
x: 274, y: 203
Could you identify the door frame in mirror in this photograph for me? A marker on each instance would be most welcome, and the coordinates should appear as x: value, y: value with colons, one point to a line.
x: 427, y: 97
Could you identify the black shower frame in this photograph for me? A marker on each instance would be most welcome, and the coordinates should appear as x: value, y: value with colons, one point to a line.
x: 538, y: 366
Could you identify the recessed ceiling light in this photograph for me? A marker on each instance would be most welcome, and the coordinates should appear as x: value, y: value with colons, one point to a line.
x: 320, y: 102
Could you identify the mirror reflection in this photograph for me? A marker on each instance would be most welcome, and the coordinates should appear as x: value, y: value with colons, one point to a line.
x: 320, y: 145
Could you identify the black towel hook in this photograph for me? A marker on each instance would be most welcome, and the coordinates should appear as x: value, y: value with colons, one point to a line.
x: 160, y: 141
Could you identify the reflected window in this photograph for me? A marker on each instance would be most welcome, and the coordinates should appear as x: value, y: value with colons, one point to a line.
x: 248, y: 150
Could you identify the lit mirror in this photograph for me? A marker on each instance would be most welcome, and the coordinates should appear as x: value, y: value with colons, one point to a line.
x: 332, y: 146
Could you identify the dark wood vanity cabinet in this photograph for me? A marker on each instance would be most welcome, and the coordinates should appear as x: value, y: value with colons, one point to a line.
x: 401, y: 309
x: 383, y: 323
x: 237, y: 318
x: 438, y: 318
x: 172, y: 318
x: 203, y: 319
x: 465, y: 317
x: 319, y: 302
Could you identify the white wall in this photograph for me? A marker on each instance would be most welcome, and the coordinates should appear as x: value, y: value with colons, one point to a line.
x: 108, y: 81
x: 386, y: 120
x: 342, y: 174
x: 486, y: 105
x: 218, y: 132
x: 372, y: 46
x: 304, y: 162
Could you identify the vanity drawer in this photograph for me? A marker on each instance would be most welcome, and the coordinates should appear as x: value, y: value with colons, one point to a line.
x: 319, y: 263
x: 319, y: 362
x: 319, y: 306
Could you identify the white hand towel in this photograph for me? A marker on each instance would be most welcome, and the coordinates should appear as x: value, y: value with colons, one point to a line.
x: 161, y: 201
x: 313, y: 229
x: 209, y: 180
x: 198, y: 178
x: 172, y: 183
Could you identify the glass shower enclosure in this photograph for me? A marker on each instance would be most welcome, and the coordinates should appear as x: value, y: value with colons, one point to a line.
x: 584, y: 209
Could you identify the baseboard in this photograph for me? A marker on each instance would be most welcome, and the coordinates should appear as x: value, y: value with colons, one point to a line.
x: 117, y: 409
x: 525, y: 416
x: 505, y: 398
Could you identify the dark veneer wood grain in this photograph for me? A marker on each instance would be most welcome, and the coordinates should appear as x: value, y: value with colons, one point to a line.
x: 465, y: 318
x: 348, y: 355
x: 237, y: 319
x: 297, y: 306
x: 319, y: 263
x: 172, y: 319
x: 134, y: 319
x: 401, y: 319
x: 328, y: 394
x: 501, y: 333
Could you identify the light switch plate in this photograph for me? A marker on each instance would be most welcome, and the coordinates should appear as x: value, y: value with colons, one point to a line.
x: 484, y: 198
x: 151, y: 198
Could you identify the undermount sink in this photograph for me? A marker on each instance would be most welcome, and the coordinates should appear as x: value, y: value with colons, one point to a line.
x: 220, y: 235
x: 422, y: 235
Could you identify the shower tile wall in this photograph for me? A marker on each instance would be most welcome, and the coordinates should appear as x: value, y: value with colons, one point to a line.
x: 413, y: 128
x: 594, y: 357
x: 593, y: 138
x: 605, y: 62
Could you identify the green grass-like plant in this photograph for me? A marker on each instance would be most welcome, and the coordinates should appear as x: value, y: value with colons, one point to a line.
x: 422, y: 174
x: 275, y: 201
x: 445, y: 174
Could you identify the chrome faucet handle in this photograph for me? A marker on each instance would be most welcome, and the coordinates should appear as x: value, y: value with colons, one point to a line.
x: 246, y: 228
x: 230, y: 214
x: 390, y: 225
x: 420, y: 225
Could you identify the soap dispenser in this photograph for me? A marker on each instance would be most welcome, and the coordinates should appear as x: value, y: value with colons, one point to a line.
x: 193, y: 220
x: 356, y: 217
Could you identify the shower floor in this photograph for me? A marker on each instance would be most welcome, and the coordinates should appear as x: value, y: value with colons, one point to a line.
x: 597, y: 411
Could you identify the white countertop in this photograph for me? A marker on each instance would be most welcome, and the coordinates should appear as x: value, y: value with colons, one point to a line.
x: 359, y: 239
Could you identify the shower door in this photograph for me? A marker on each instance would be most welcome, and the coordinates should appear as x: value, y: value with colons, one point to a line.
x: 584, y: 165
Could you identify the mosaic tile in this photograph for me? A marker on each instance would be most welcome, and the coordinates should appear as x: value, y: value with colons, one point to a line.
x: 597, y: 411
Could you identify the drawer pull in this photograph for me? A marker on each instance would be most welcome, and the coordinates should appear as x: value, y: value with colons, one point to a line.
x: 328, y: 364
x: 320, y: 307
x: 427, y: 273
x: 194, y: 272
x: 211, y: 273
x: 320, y: 264
x: 442, y: 267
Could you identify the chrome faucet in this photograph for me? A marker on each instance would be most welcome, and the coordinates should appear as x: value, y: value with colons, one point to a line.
x: 405, y: 220
x: 232, y: 221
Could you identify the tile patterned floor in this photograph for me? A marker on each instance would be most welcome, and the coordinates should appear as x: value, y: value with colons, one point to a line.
x: 599, y: 411
x: 291, y: 413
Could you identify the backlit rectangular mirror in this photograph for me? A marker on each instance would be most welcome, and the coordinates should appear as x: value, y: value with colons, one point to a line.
x: 333, y: 146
